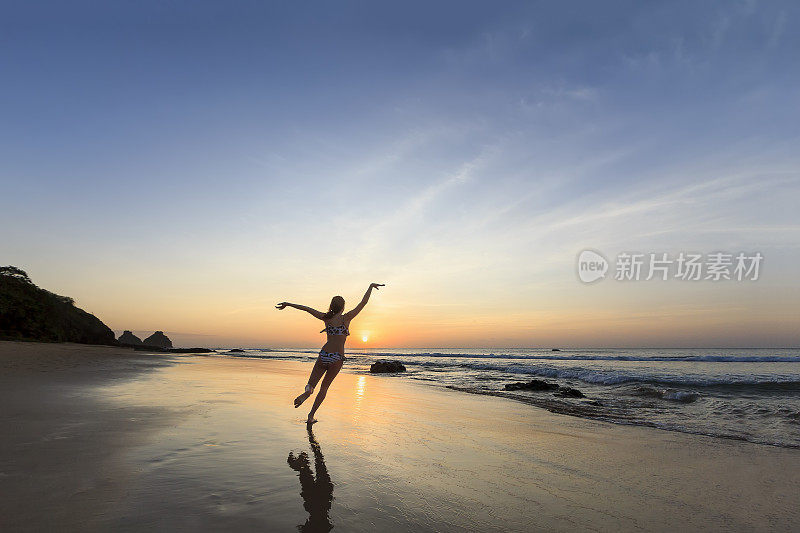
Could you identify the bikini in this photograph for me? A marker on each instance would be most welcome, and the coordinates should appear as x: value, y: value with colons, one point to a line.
x: 333, y: 357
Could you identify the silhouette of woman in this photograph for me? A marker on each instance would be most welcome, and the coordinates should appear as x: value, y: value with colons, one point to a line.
x: 317, y: 492
x: 331, y: 357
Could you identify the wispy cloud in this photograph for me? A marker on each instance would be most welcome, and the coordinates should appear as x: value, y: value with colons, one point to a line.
x: 384, y: 235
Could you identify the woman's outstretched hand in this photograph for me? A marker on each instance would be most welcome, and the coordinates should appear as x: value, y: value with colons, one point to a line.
x: 376, y: 286
x: 282, y: 305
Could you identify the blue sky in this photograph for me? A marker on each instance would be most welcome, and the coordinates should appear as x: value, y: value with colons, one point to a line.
x: 182, y: 165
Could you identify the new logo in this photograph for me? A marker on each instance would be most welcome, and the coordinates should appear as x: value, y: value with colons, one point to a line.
x: 591, y: 266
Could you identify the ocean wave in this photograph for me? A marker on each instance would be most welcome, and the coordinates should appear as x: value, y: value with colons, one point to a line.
x: 611, y: 377
x: 563, y: 356
x: 666, y: 394
x: 597, y: 357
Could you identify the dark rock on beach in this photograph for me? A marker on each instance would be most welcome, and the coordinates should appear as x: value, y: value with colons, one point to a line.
x: 534, y: 385
x: 129, y: 339
x: 158, y: 339
x: 384, y: 366
x: 569, y: 392
x: 555, y: 350
x: 236, y: 350
x: 29, y: 313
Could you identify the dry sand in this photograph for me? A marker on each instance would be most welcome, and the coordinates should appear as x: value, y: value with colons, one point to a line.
x: 105, y: 439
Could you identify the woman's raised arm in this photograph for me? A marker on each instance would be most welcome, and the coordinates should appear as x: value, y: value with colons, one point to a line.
x: 350, y: 315
x: 310, y: 310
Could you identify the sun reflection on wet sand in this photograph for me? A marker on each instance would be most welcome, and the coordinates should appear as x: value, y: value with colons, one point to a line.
x: 361, y: 387
x: 360, y: 390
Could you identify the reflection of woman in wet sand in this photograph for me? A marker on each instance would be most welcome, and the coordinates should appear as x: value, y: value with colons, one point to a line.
x: 331, y: 357
x: 317, y: 492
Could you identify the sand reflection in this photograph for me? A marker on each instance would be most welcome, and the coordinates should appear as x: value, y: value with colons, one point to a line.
x: 317, y: 491
x: 361, y: 386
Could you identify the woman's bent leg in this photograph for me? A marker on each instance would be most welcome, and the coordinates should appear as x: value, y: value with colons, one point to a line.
x: 333, y: 369
x: 313, y: 379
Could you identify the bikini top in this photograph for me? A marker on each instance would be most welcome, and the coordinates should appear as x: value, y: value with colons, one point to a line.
x: 336, y: 330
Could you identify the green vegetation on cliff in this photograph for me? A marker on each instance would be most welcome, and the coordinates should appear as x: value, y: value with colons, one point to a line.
x: 33, y: 314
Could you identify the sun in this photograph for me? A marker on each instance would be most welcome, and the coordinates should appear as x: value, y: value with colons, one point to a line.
x: 364, y: 338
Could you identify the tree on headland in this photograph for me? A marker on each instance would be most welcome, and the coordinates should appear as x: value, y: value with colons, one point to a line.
x: 14, y: 272
x: 17, y: 273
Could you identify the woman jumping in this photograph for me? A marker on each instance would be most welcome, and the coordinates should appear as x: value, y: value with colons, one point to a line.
x: 331, y: 357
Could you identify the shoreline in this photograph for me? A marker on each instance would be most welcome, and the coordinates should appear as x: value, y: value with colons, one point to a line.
x: 764, y: 410
x: 123, y: 440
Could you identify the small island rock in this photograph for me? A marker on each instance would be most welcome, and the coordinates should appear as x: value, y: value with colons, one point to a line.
x: 158, y: 339
x: 128, y: 337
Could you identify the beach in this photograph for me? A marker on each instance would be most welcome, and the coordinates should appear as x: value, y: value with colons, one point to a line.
x: 102, y: 439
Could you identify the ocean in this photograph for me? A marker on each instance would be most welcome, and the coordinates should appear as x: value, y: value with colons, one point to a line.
x: 746, y: 394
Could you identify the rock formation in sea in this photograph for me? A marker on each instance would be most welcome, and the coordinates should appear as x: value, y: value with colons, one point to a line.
x: 128, y: 337
x: 30, y: 313
x: 569, y: 392
x: 539, y: 385
x: 158, y: 339
x: 534, y: 385
x: 383, y: 366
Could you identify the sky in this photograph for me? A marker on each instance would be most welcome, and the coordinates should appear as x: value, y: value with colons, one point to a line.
x: 184, y: 166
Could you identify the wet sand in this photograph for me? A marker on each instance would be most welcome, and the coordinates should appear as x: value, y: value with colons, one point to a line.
x: 104, y: 439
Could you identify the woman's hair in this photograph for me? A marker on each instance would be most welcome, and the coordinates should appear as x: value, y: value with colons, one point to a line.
x: 337, y: 305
